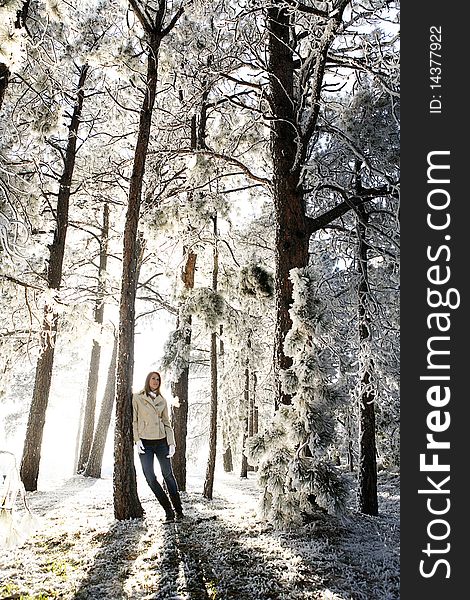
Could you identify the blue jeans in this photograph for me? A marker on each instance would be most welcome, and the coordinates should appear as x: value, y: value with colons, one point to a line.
x: 160, y: 449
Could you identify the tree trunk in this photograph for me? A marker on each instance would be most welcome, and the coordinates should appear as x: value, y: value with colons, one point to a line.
x: 227, y: 459
x: 95, y: 460
x: 179, y: 421
x: 255, y: 411
x: 209, y: 480
x: 367, y: 468
x: 227, y: 450
x: 93, y: 371
x: 179, y: 415
x: 292, y: 129
x: 251, y: 414
x: 291, y: 235
x: 210, y: 471
x: 350, y: 457
x: 4, y: 79
x: 29, y: 469
x: 246, y: 394
x: 255, y: 407
x: 350, y: 443
x: 126, y: 501
x: 181, y: 387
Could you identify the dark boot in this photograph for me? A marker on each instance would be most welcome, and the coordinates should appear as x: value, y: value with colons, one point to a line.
x: 176, y: 501
x: 169, y: 517
x: 166, y: 505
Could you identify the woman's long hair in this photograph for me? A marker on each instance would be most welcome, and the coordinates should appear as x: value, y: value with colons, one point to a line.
x: 147, y: 382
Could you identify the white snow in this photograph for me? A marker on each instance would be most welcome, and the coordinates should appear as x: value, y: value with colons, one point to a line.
x: 222, y: 550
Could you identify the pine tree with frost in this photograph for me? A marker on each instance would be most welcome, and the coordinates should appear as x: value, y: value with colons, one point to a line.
x: 246, y: 381
x: 365, y: 159
x: 292, y: 455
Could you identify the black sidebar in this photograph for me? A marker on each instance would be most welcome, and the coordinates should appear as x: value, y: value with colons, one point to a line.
x: 435, y: 236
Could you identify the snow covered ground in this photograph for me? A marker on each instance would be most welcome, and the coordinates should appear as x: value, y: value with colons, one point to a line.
x: 221, y: 551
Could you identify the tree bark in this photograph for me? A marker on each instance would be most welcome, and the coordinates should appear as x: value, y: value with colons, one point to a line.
x: 4, y: 79
x: 350, y: 450
x: 246, y: 394
x: 255, y: 411
x: 227, y: 460
x: 209, y: 480
x: 126, y: 501
x: 29, y: 469
x: 255, y: 407
x: 95, y: 460
x: 291, y: 235
x: 251, y: 414
x: 367, y: 468
x: 292, y: 129
x: 181, y: 387
x: 93, y: 371
x: 179, y: 415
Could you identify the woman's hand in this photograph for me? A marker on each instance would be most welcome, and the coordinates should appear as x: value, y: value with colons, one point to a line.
x: 140, y: 447
x: 171, y: 450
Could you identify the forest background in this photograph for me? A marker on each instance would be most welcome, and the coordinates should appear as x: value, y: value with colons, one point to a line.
x: 210, y: 190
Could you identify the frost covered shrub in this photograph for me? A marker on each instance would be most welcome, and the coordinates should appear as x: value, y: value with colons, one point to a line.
x: 292, y: 455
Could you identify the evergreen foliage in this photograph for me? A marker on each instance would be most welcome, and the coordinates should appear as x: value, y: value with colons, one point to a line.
x: 291, y: 455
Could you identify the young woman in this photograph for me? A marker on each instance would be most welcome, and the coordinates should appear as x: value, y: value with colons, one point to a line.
x: 153, y: 436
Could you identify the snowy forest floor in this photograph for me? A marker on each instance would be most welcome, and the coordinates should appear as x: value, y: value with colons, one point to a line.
x: 221, y: 551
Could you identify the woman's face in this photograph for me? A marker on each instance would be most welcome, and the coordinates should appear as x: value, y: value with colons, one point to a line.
x: 154, y: 382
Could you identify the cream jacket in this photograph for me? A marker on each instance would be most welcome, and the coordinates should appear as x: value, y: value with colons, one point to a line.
x: 150, y: 418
